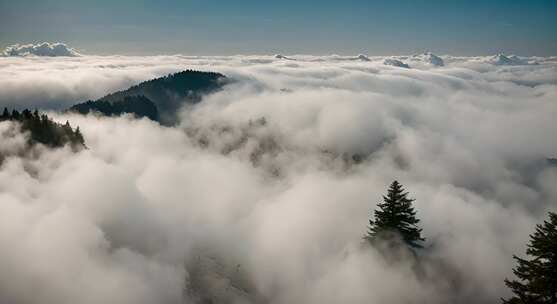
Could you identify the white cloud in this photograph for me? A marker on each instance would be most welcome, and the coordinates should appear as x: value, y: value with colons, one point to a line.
x: 229, y: 206
x: 40, y: 49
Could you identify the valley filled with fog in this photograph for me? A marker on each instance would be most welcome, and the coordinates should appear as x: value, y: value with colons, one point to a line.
x: 262, y: 191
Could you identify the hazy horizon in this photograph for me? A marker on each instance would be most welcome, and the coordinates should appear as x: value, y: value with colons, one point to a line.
x: 291, y: 27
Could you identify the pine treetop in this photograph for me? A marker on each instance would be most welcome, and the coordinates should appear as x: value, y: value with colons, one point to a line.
x: 396, y: 215
x: 537, y: 277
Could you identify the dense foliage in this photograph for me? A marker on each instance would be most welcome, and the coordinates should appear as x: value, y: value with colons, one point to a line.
x: 537, y: 276
x: 140, y: 106
x: 395, y: 219
x: 158, y: 99
x: 43, y: 130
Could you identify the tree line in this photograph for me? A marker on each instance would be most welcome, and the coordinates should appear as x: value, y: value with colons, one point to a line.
x: 140, y: 106
x: 42, y: 129
x: 395, y: 223
x: 158, y: 99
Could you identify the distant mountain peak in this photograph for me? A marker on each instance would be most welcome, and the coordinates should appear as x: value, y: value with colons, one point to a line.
x: 502, y: 59
x: 363, y: 57
x: 430, y: 58
x: 396, y: 63
x: 280, y: 56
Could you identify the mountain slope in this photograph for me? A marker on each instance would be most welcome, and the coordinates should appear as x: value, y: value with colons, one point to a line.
x: 140, y: 106
x: 167, y: 94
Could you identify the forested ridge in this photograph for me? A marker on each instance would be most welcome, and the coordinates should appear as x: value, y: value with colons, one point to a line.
x: 158, y: 99
x: 43, y: 130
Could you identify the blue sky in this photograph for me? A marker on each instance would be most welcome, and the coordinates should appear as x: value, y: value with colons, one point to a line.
x: 310, y: 27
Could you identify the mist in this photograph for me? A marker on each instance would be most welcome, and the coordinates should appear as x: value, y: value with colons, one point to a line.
x: 263, y: 192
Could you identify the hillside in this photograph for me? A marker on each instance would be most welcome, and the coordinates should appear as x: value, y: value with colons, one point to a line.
x: 161, y: 98
x: 140, y: 106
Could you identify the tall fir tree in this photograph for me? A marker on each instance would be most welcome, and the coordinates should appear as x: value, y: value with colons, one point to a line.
x: 537, y: 277
x: 395, y: 218
x: 78, y: 137
x: 5, y: 114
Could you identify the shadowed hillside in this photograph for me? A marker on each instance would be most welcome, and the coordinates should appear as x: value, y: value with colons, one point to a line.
x: 158, y: 99
x: 140, y: 106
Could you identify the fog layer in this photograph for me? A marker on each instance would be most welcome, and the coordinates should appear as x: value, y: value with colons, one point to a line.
x: 263, y: 192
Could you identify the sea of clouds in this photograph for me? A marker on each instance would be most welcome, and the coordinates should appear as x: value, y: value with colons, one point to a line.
x: 263, y: 192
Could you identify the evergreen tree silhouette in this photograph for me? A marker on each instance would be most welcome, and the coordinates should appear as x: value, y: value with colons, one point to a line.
x: 5, y: 114
x: 78, y: 137
x: 15, y: 115
x: 395, y: 219
x: 537, y: 277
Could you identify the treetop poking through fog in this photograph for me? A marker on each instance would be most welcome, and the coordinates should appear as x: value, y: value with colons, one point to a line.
x: 395, y: 219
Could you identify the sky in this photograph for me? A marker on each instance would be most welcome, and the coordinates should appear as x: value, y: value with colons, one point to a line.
x: 217, y: 27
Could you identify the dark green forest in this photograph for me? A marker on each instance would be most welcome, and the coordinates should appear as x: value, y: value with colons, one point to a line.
x: 139, y: 106
x: 158, y: 99
x: 43, y: 130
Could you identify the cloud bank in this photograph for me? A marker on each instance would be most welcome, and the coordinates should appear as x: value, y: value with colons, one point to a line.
x: 263, y: 192
x: 40, y: 49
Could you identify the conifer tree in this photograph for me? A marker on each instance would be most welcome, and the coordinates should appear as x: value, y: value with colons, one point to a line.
x: 537, y: 277
x: 26, y: 114
x: 78, y: 137
x: 5, y: 114
x: 395, y: 218
x: 15, y: 115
